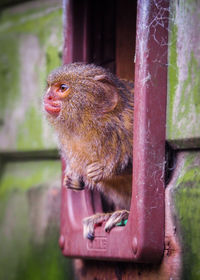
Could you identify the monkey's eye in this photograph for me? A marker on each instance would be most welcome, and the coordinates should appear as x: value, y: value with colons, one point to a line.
x: 63, y: 87
x: 63, y: 91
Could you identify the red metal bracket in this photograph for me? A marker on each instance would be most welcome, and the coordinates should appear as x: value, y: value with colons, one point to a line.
x: 142, y: 239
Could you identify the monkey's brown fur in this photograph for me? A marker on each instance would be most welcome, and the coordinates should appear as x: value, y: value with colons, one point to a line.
x: 94, y: 128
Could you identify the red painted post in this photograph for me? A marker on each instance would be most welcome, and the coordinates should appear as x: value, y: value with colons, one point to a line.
x: 147, y: 212
x: 142, y: 239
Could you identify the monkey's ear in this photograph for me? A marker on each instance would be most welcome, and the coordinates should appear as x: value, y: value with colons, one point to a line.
x: 104, y: 79
x: 111, y: 96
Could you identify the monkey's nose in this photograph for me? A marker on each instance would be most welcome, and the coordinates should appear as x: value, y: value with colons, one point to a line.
x: 51, y: 105
x: 50, y: 94
x: 50, y: 97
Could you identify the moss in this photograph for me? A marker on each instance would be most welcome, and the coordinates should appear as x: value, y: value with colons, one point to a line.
x: 189, y: 170
x: 42, y: 21
x: 22, y: 255
x: 9, y: 72
x: 187, y: 197
x: 173, y: 72
x: 45, y: 261
x: 184, y: 77
x: 26, y: 23
x: 14, y: 232
x: 23, y: 258
x: 192, y: 86
x: 52, y: 58
x: 187, y: 203
x: 30, y: 130
x: 191, y: 175
x: 28, y: 174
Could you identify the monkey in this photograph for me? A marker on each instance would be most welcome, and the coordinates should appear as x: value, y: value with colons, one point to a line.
x: 91, y: 111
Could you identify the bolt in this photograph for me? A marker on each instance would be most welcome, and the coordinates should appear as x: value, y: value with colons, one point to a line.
x: 62, y: 242
x: 135, y: 245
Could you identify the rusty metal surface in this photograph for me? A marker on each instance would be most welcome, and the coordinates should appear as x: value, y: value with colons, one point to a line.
x: 142, y: 239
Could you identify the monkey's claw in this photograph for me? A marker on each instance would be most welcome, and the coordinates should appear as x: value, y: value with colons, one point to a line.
x: 111, y: 220
x: 73, y: 184
x: 95, y: 171
x: 88, y: 227
x: 90, y: 222
x: 90, y: 236
x: 115, y: 218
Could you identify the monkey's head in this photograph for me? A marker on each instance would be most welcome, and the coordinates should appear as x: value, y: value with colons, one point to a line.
x: 79, y: 92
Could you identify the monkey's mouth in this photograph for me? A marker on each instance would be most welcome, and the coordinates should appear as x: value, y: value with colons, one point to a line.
x: 52, y: 107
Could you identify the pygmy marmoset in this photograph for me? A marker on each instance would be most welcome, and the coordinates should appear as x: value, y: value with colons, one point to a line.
x: 92, y: 113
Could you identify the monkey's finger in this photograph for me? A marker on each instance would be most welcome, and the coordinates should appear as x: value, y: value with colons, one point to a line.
x: 94, y: 167
x: 95, y: 171
x: 67, y: 181
x: 95, y: 176
x: 88, y: 228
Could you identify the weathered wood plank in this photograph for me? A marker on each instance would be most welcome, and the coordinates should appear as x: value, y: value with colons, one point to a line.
x: 183, y: 116
x: 31, y: 46
x: 29, y: 221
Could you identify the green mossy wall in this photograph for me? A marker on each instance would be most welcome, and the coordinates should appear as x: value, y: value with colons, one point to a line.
x: 31, y: 46
x: 183, y: 127
x: 187, y: 202
x: 30, y: 172
x: 29, y: 222
x: 183, y: 113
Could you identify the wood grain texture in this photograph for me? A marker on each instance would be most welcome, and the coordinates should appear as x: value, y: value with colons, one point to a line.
x: 183, y: 113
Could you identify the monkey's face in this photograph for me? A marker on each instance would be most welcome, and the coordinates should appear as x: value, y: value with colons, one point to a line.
x: 54, y: 97
x: 78, y: 93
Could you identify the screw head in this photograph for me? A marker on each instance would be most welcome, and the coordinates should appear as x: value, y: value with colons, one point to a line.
x: 135, y: 245
x: 62, y: 242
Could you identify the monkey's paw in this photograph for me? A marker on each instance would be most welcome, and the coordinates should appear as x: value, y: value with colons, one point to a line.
x: 95, y: 171
x: 73, y: 184
x: 112, y: 220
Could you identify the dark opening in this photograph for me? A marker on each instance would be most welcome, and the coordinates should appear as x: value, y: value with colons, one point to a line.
x: 111, y: 41
x: 104, y: 33
x: 112, y: 33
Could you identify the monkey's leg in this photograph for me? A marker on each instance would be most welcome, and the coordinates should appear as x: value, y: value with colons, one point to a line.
x: 111, y: 218
x: 94, y: 171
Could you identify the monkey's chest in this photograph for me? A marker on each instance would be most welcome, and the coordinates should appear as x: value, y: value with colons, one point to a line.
x: 79, y: 153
